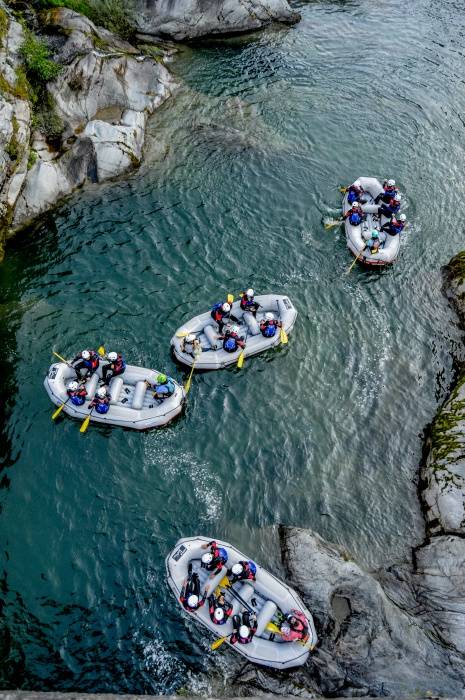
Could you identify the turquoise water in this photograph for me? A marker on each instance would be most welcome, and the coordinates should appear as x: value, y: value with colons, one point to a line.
x: 242, y: 168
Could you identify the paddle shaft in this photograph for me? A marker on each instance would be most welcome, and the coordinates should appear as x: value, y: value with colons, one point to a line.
x: 239, y: 598
x: 60, y: 408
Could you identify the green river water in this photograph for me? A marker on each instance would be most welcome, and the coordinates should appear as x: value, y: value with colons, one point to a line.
x: 242, y: 168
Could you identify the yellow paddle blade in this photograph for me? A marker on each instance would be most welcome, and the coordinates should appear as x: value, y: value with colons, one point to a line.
x: 240, y: 360
x: 225, y: 582
x: 350, y: 268
x: 217, y: 643
x: 343, y: 189
x: 85, y: 425
x: 189, y: 380
x: 58, y: 411
x: 101, y: 351
x: 182, y: 334
x: 330, y: 224
x: 271, y: 627
x: 230, y: 298
x: 60, y: 357
x: 283, y: 336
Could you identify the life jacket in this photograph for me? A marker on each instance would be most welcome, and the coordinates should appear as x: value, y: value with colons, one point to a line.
x: 393, y: 206
x: 230, y: 344
x: 226, y: 608
x: 355, y: 218
x: 217, y: 311
x: 219, y: 554
x: 93, y: 361
x: 166, y: 390
x: 119, y: 365
x: 396, y: 228
x: 246, y: 303
x: 103, y: 405
x: 268, y: 328
x: 77, y: 397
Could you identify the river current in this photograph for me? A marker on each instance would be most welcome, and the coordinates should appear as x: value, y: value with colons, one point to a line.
x: 242, y: 169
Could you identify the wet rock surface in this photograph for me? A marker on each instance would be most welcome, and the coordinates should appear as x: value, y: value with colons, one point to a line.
x: 179, y: 20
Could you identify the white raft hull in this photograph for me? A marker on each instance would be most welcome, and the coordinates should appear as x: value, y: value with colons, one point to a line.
x: 269, y: 593
x: 206, y: 329
x: 357, y: 236
x: 132, y: 405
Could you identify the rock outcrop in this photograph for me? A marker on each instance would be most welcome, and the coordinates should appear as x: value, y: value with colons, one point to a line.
x: 103, y: 97
x: 179, y: 20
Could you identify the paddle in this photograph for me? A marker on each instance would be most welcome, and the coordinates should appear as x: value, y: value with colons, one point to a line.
x: 189, y: 379
x: 357, y: 258
x: 101, y: 351
x: 283, y: 336
x: 218, y: 642
x: 343, y: 189
x: 335, y: 222
x: 225, y: 583
x: 59, y: 409
x: 274, y: 629
x: 61, y: 358
x: 182, y: 334
x: 85, y: 422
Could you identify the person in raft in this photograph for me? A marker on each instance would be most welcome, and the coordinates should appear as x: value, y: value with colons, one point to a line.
x: 242, y: 571
x: 248, y: 303
x: 219, y: 608
x: 354, y: 193
x: 76, y: 393
x: 244, y: 629
x: 376, y: 241
x: 214, y: 559
x: 219, y: 313
x: 395, y: 226
x: 101, y: 401
x: 232, y: 340
x: 87, y: 360
x: 389, y: 191
x: 191, y: 345
x: 392, y: 207
x: 355, y: 214
x: 116, y: 365
x: 294, y: 627
x: 190, y: 592
x: 269, y: 325
x: 163, y: 388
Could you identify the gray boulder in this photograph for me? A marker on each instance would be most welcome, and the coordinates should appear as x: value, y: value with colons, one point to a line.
x: 370, y: 645
x: 198, y: 18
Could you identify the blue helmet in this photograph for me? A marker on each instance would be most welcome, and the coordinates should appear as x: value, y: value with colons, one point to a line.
x: 230, y: 344
x: 223, y: 553
x: 253, y: 567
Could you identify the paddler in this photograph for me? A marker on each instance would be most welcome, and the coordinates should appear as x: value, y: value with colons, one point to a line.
x: 116, y: 366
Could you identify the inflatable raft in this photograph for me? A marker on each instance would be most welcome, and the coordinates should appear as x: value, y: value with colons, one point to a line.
x: 206, y: 330
x: 268, y: 597
x: 357, y: 236
x: 132, y: 404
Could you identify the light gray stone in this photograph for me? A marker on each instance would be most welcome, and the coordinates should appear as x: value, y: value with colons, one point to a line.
x: 182, y: 20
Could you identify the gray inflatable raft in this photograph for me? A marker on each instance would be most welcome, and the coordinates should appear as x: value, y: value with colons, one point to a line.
x: 272, y: 599
x: 206, y: 329
x: 357, y: 236
x: 132, y: 405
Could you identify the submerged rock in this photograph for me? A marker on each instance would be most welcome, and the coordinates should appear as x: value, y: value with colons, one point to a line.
x: 198, y: 18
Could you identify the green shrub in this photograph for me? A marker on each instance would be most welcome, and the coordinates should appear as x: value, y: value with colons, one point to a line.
x: 3, y: 26
x: 32, y: 158
x: 39, y: 68
x: 46, y: 119
x: 115, y: 15
x: 80, y: 6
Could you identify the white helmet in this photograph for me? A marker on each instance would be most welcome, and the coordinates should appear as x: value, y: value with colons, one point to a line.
x: 269, y: 316
x: 244, y: 631
x: 112, y: 356
x: 391, y: 183
x: 226, y: 307
x: 234, y: 328
x: 102, y: 392
x: 192, y: 600
x: 397, y: 197
x: 236, y: 568
x: 207, y: 558
x: 85, y: 354
x: 218, y: 614
x: 73, y: 386
x: 402, y: 217
x: 249, y: 293
x: 354, y: 205
x: 190, y: 337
